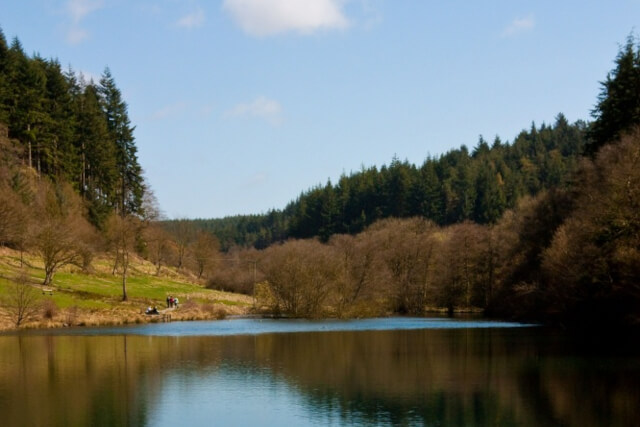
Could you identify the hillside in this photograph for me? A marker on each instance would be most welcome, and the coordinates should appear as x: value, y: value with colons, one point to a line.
x: 80, y: 298
x: 529, y: 229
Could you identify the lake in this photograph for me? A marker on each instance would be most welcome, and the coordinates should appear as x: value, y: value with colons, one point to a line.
x: 397, y: 371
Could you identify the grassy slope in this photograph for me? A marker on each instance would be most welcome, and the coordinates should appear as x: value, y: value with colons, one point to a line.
x: 80, y: 298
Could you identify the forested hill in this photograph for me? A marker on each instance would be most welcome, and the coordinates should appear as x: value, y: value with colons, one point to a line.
x: 70, y: 130
x: 477, y: 185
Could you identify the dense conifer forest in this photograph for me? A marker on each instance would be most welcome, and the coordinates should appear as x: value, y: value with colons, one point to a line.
x: 545, y: 227
x: 70, y: 130
x: 461, y: 185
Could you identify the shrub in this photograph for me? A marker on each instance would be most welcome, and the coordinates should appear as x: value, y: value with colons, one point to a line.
x: 49, y: 309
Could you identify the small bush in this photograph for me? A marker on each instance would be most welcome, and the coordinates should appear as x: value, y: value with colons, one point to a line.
x: 71, y: 315
x: 49, y: 309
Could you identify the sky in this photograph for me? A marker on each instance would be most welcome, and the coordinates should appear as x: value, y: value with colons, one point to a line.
x: 241, y: 105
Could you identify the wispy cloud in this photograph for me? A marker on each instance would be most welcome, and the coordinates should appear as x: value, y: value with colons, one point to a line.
x: 261, y: 107
x: 270, y: 17
x: 192, y: 20
x: 371, y: 12
x: 169, y: 111
x: 519, y: 25
x: 77, y: 11
x: 77, y: 35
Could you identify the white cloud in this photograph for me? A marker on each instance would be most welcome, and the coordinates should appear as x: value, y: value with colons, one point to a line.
x: 192, y: 20
x: 261, y: 107
x: 77, y: 35
x: 269, y: 17
x: 77, y: 11
x: 519, y: 25
x: 169, y: 111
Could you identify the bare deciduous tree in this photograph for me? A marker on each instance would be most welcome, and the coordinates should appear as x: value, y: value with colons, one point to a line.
x: 406, y: 249
x: 464, y: 266
x: 236, y: 271
x: 23, y: 302
x: 593, y: 263
x: 299, y: 274
x: 122, y: 233
x: 183, y: 232
x: 205, y: 251
x: 158, y: 245
x: 355, y: 257
x: 60, y: 229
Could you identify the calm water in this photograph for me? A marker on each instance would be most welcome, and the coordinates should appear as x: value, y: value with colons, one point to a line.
x: 295, y: 373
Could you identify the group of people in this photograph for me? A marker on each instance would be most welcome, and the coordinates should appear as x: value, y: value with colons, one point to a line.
x: 172, y: 302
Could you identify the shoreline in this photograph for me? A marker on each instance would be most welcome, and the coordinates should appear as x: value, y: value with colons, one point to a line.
x: 219, y: 312
x: 78, y: 297
x: 97, y: 318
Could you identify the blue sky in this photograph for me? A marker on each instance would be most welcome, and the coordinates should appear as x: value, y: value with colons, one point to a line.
x: 240, y: 105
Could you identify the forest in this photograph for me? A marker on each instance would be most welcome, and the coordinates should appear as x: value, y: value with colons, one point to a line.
x: 545, y: 228
x: 458, y: 186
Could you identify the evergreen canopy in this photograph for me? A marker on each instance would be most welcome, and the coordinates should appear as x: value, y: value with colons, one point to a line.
x: 618, y: 107
x: 71, y: 130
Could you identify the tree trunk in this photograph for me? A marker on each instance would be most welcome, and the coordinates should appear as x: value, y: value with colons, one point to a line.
x: 48, y: 277
x: 116, y: 262
x: 29, y: 146
x: 125, y: 262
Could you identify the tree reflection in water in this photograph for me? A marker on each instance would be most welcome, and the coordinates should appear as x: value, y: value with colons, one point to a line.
x: 432, y: 377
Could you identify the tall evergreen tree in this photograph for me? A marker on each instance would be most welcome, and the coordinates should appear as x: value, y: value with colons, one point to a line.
x: 490, y: 200
x: 397, y: 186
x: 618, y: 107
x: 434, y: 204
x: 25, y: 96
x: 97, y: 155
x: 130, y: 181
x: 58, y: 130
x: 4, y: 58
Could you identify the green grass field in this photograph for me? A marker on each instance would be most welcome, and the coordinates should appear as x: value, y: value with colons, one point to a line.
x: 98, y: 294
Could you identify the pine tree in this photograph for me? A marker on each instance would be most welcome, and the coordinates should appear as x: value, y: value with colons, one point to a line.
x: 4, y: 57
x: 58, y: 130
x: 329, y: 212
x: 97, y: 156
x: 618, y: 107
x: 490, y: 200
x: 397, y: 186
x: 26, y: 87
x: 130, y: 181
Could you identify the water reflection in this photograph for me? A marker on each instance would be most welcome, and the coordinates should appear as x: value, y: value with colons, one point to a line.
x: 401, y: 377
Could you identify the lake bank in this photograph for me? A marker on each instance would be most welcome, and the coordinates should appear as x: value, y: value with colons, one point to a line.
x: 94, y: 298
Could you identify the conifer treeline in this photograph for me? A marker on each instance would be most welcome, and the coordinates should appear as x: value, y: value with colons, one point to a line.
x: 460, y: 185
x: 71, y: 130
